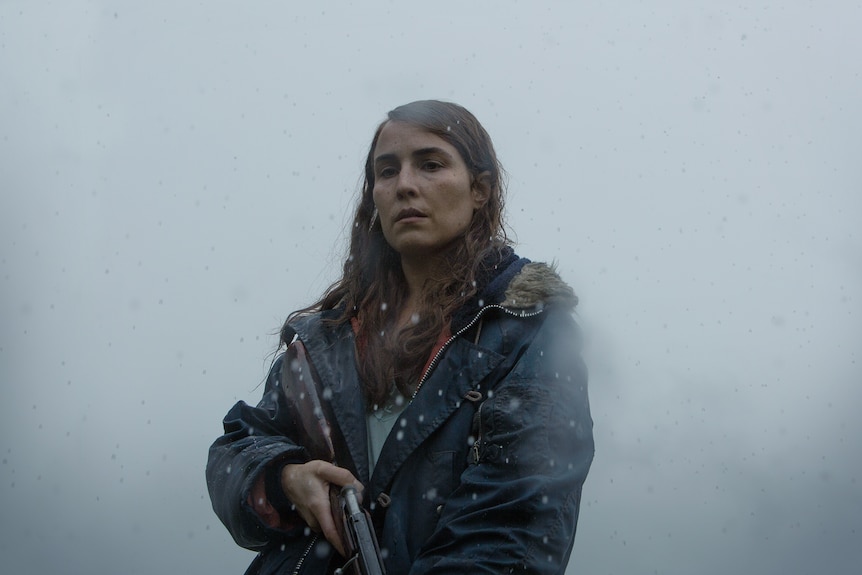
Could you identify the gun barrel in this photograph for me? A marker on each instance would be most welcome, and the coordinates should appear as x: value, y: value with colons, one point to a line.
x: 362, y: 534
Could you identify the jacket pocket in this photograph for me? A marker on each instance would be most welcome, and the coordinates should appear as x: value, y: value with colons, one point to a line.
x: 476, y: 430
x: 512, y: 428
x: 443, y: 476
x: 483, y: 449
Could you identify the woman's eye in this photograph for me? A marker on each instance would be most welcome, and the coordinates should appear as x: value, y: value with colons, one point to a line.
x: 386, y: 173
x: 430, y: 165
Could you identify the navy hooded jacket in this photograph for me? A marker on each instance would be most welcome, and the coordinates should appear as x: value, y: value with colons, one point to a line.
x: 482, y: 472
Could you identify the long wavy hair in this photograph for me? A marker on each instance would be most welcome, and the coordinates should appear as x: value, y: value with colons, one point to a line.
x: 372, y: 287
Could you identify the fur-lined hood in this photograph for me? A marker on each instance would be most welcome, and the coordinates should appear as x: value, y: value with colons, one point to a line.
x: 537, y: 285
x: 517, y: 284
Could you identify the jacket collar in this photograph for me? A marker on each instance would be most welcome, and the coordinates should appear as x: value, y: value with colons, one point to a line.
x: 332, y: 353
x: 505, y: 280
x: 497, y: 270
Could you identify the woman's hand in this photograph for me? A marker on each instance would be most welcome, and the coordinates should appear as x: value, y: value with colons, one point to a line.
x: 307, y: 487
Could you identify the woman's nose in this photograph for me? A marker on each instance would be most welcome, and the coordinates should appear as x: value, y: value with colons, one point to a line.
x: 407, y: 185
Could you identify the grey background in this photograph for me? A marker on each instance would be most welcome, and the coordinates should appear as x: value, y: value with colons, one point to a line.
x: 176, y: 177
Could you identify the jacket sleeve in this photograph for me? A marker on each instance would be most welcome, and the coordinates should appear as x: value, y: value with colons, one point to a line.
x: 255, y: 441
x: 516, y: 507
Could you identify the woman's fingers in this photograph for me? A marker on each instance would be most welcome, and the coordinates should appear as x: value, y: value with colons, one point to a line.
x: 327, y: 527
x: 336, y: 475
x: 307, y: 486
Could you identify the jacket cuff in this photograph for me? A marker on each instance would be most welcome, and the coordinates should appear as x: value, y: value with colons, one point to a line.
x: 274, y: 492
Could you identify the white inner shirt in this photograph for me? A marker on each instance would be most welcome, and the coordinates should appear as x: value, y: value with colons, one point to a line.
x: 380, y: 423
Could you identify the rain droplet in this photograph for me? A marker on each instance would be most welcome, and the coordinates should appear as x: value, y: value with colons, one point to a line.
x: 322, y: 549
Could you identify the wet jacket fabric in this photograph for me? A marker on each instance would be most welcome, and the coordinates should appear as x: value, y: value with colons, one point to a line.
x: 482, y: 472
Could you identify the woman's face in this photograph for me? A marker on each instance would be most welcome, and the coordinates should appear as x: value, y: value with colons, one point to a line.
x: 422, y: 190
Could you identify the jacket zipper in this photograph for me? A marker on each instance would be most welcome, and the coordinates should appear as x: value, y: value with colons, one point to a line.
x: 454, y: 336
x: 302, y: 557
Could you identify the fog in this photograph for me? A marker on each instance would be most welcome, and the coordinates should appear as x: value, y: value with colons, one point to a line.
x: 177, y: 177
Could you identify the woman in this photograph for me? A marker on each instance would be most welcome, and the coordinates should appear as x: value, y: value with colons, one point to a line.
x: 451, y: 368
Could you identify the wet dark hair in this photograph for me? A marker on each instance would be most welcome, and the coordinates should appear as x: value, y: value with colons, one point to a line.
x: 372, y: 274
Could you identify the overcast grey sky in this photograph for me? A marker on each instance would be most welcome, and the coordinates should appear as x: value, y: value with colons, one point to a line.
x: 175, y: 178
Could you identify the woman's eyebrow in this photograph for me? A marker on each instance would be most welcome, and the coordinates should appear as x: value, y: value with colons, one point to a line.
x: 384, y: 158
x: 420, y: 153
x: 431, y: 151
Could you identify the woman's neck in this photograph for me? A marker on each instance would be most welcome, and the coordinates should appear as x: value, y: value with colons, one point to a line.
x: 417, y: 272
x: 410, y: 307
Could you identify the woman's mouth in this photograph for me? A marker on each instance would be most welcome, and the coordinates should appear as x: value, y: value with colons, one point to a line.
x: 409, y: 213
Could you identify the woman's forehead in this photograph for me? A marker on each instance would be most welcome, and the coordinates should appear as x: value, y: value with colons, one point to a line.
x: 402, y: 138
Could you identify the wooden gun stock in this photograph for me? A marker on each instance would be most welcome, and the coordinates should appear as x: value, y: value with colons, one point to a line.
x: 301, y: 387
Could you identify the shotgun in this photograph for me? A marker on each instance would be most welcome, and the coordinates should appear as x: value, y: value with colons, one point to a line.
x: 302, y: 388
x: 360, y: 541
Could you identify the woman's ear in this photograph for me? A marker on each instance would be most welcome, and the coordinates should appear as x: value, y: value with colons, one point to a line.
x: 481, y: 189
